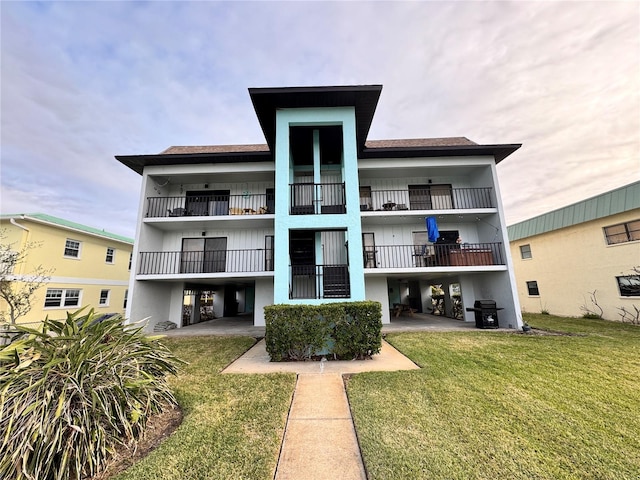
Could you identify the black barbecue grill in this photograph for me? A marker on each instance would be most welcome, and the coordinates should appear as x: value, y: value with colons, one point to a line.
x: 486, y: 313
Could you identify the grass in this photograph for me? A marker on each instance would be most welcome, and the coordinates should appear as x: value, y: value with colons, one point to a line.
x: 233, y: 424
x: 485, y: 405
x: 496, y: 405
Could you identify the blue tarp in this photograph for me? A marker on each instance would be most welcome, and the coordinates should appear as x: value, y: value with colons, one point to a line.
x: 432, y: 229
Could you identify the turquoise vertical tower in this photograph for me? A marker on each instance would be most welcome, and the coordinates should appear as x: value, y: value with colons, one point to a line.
x: 315, y: 124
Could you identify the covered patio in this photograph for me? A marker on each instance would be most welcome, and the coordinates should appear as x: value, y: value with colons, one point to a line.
x: 243, y: 325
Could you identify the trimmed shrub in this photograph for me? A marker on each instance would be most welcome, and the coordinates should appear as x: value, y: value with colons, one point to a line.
x: 302, y: 332
x: 69, y: 394
x: 358, y: 333
x: 295, y: 332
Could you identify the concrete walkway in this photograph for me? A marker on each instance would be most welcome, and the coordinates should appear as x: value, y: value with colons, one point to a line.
x: 320, y: 440
x: 320, y: 437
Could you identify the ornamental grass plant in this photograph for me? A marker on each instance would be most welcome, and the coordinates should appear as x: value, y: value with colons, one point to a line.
x: 72, y: 392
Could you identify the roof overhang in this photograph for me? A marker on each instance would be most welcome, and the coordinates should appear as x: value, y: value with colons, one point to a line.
x: 137, y: 163
x: 499, y: 152
x: 65, y: 225
x: 363, y: 97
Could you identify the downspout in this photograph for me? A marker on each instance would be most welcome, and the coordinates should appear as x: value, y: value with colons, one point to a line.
x: 13, y: 222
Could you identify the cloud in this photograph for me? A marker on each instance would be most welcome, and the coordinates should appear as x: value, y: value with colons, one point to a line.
x: 84, y: 81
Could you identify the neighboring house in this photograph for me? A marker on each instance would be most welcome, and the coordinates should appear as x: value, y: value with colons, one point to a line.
x: 91, y: 266
x: 320, y: 214
x: 563, y: 256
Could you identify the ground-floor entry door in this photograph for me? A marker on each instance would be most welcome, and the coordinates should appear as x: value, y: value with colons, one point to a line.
x: 230, y: 301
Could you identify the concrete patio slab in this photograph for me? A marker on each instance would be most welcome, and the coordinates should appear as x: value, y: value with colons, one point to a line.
x: 256, y: 360
x: 243, y: 325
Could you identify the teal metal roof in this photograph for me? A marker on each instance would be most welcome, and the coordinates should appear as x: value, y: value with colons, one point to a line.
x: 67, y: 224
x: 610, y: 203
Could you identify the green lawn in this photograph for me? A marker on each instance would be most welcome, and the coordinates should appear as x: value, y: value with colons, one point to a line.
x: 499, y: 405
x: 233, y: 424
x: 485, y: 405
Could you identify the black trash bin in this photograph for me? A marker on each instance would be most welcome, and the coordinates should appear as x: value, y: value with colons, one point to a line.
x: 486, y: 313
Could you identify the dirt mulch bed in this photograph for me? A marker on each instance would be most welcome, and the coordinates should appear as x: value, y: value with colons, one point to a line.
x: 537, y: 331
x: 159, y: 428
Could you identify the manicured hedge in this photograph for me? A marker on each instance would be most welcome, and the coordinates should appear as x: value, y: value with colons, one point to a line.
x: 349, y: 330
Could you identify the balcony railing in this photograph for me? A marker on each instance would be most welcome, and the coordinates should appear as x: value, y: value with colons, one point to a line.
x: 317, y: 198
x: 436, y: 198
x: 210, y: 205
x: 210, y: 261
x: 319, y: 281
x: 436, y: 255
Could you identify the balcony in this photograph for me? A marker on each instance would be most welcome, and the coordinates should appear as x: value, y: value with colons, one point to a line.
x: 433, y: 256
x: 210, y: 261
x: 319, y: 281
x: 433, y: 198
x: 210, y: 205
x: 317, y: 198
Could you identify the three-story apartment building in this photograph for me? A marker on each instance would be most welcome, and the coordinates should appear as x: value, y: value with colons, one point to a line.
x: 320, y: 214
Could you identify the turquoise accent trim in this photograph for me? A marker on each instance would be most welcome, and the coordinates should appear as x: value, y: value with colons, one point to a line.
x: 350, y: 221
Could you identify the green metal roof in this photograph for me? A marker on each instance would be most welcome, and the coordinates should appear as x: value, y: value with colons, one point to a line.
x: 41, y: 217
x: 620, y: 200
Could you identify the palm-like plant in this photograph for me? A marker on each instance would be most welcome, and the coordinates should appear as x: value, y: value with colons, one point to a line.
x: 69, y: 394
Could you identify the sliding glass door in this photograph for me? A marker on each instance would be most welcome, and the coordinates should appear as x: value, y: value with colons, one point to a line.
x: 203, y: 255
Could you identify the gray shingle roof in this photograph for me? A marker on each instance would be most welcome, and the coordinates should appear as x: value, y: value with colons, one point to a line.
x: 419, y: 142
x: 371, y: 144
x: 181, y: 150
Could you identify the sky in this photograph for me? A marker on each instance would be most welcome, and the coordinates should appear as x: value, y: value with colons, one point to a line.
x: 82, y: 82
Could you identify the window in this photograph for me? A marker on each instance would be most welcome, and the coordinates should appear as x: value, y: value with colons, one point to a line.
x: 532, y: 288
x: 72, y: 248
x: 629, y: 285
x: 130, y: 259
x: 623, y: 232
x: 126, y: 296
x: 525, y: 251
x: 58, y: 297
x: 104, y: 298
x: 53, y: 298
x: 111, y: 253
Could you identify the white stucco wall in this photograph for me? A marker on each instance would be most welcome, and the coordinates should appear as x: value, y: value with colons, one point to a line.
x: 264, y: 297
x: 376, y: 290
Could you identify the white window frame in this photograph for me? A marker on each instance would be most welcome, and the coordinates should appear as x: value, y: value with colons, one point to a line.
x: 126, y: 298
x: 66, y: 246
x: 524, y: 249
x: 629, y: 279
x: 111, y: 252
x: 59, y: 296
x: 629, y: 234
x: 530, y: 286
x: 64, y: 296
x: 104, y: 301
